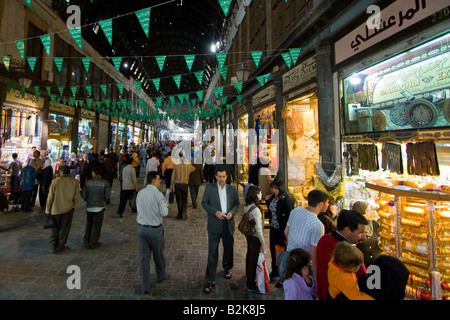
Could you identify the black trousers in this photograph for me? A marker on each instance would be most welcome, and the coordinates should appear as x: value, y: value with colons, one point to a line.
x: 181, y: 195
x: 251, y: 261
x: 213, y: 251
x: 193, y: 190
x: 125, y: 195
x: 94, y: 221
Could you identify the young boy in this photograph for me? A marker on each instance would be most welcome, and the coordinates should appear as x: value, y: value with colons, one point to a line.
x: 342, y: 268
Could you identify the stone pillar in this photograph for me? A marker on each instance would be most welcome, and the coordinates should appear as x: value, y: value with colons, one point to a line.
x: 45, y: 116
x: 76, y: 123
x: 281, y: 127
x: 328, y: 128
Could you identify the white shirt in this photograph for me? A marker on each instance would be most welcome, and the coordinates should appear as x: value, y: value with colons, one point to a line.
x: 223, y: 197
x: 305, y: 229
x: 151, y: 206
x: 152, y: 165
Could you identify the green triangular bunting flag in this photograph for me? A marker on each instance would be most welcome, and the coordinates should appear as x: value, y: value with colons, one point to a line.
x: 76, y: 35
x: 200, y: 94
x: 225, y: 5
x: 218, y: 91
x: 238, y: 86
x: 262, y: 79
x: 177, y: 80
x: 294, y: 52
x: 117, y: 62
x: 89, y: 90
x: 156, y: 83
x: 86, y: 63
x: 21, y: 47
x: 104, y: 88
x: 31, y: 62
x: 29, y: 4
x: 58, y: 62
x: 106, y: 26
x: 74, y: 90
x: 47, y: 42
x: 120, y: 87
x: 199, y: 76
x: 37, y: 93
x: 61, y: 91
x: 256, y: 55
x: 287, y: 58
x: 161, y: 60
x: 189, y: 60
x: 223, y: 71
x: 221, y: 57
x: 144, y: 19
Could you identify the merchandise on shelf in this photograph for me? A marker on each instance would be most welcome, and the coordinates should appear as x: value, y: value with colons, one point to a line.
x: 415, y: 227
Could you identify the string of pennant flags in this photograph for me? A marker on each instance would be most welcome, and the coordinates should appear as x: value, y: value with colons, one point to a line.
x: 124, y: 108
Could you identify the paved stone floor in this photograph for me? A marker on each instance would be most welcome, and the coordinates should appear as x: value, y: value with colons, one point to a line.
x: 28, y: 271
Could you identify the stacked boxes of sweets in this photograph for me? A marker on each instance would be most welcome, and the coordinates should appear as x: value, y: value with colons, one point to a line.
x: 442, y: 218
x: 387, y: 223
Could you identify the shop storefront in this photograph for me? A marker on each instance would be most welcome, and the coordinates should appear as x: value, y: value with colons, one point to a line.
x: 302, y: 130
x: 396, y: 136
x: 122, y: 134
x: 60, y: 129
x: 114, y: 129
x: 86, y: 131
x: 21, y: 129
x: 242, y: 148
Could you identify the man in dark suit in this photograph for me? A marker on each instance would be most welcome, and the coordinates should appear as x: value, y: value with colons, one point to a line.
x: 221, y: 203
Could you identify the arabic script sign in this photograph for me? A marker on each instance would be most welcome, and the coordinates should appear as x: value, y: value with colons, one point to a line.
x: 394, y: 18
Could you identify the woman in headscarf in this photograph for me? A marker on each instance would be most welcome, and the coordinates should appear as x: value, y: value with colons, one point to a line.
x: 369, y: 246
x: 46, y: 181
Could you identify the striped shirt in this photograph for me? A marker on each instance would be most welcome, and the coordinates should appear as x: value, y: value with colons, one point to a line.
x: 181, y: 173
x: 151, y: 206
x: 305, y: 229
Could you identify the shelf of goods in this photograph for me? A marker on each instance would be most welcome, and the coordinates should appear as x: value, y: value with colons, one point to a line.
x: 415, y: 227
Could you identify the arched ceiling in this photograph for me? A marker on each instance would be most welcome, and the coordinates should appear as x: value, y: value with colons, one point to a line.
x: 177, y: 28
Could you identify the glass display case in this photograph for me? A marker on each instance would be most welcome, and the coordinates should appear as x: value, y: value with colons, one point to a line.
x: 415, y: 227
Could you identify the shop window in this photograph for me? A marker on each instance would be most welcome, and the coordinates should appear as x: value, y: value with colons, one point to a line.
x: 408, y: 91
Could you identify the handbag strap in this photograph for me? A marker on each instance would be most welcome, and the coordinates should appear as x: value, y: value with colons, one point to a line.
x: 249, y: 210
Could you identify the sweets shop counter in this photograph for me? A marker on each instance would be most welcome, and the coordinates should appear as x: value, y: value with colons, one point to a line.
x: 415, y: 227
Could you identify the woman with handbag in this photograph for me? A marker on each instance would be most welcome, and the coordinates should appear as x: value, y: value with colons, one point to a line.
x: 280, y: 206
x: 255, y: 242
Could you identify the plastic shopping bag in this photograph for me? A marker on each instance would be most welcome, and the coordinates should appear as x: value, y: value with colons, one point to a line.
x: 262, y: 275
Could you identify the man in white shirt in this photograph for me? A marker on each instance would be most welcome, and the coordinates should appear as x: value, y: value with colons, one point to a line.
x: 304, y: 229
x: 151, y: 208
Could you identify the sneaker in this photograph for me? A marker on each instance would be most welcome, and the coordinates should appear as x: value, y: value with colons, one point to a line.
x: 208, y: 287
x: 228, y: 274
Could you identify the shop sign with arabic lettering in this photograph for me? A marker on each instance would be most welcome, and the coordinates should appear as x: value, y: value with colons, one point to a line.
x: 394, y: 18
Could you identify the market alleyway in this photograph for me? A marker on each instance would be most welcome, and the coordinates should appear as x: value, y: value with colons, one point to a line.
x: 29, y: 271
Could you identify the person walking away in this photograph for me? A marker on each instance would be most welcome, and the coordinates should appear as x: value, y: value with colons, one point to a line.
x: 129, y: 185
x: 350, y: 228
x: 72, y: 163
x: 255, y: 242
x: 180, y: 184
x: 109, y: 170
x: 46, y: 181
x: 299, y: 284
x: 279, y: 205
x: 151, y: 208
x: 152, y: 165
x: 61, y: 202
x: 303, y: 229
x: 96, y: 192
x: 27, y: 186
x: 15, y: 169
x: 221, y: 203
x: 195, y: 181
x: 167, y: 170
x: 342, y: 281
